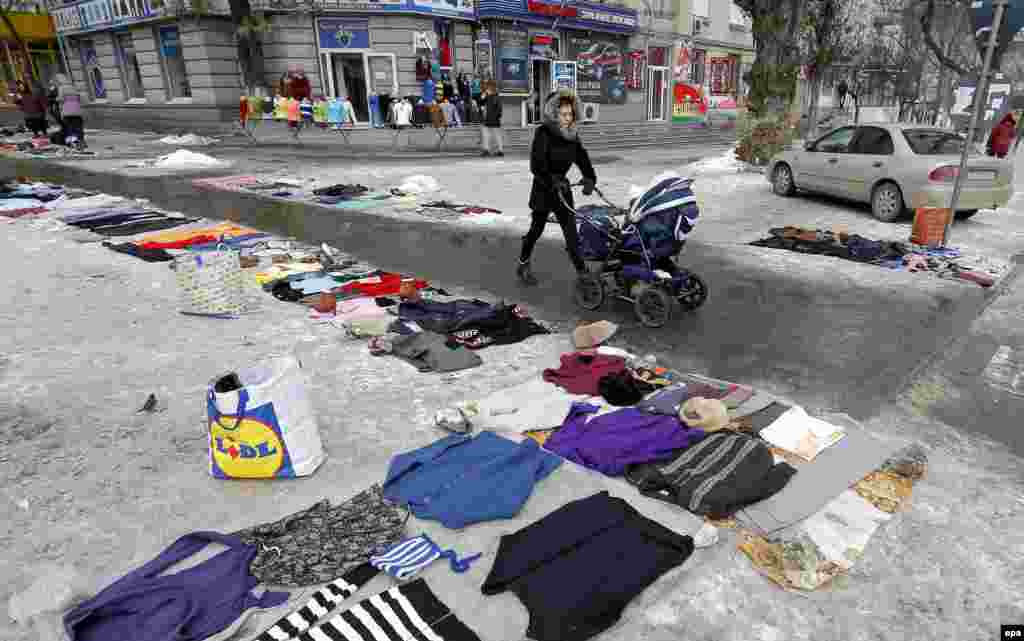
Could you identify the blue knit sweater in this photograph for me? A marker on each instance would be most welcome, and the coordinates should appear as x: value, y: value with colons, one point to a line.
x: 461, y: 480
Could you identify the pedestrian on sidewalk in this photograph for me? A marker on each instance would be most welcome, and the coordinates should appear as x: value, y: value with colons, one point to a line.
x: 1002, y: 136
x: 491, y: 131
x: 33, y: 106
x: 556, y: 148
x: 299, y: 86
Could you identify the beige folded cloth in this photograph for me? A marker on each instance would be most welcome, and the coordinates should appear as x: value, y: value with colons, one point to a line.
x: 708, y: 414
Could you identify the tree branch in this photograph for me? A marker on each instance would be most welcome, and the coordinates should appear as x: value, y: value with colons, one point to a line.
x: 929, y: 40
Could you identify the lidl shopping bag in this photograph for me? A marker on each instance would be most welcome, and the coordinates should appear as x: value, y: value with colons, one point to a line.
x: 212, y: 284
x: 265, y: 428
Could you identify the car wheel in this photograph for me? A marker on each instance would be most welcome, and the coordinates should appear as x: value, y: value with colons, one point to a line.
x: 887, y: 202
x: 782, y: 180
x: 964, y: 214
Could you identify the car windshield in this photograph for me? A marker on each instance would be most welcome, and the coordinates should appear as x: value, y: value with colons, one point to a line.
x: 934, y: 142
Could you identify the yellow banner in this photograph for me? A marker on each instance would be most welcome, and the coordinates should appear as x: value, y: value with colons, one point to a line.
x: 30, y: 26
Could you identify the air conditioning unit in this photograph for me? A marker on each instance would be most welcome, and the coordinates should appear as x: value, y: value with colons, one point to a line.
x: 590, y: 111
x: 700, y: 25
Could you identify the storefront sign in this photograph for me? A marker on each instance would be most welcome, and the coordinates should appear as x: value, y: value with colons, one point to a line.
x: 99, y: 14
x: 688, y: 105
x: 606, y: 17
x: 550, y: 10
x: 581, y: 15
x: 563, y: 75
x: 456, y: 8
x: 170, y: 43
x: 635, y: 70
x: 722, y: 108
x: 543, y: 45
x: 600, y: 65
x: 483, y: 57
x: 344, y: 33
x: 363, y: 5
x: 513, y: 52
x: 722, y: 71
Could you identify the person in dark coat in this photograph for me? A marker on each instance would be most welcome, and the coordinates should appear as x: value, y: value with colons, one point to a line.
x: 33, y: 106
x: 491, y: 131
x: 1002, y: 136
x: 299, y: 86
x: 556, y: 148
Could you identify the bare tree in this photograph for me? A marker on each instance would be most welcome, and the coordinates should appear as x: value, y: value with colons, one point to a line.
x: 834, y: 30
x: 776, y: 28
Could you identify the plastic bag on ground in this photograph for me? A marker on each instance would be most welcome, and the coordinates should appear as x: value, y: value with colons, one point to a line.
x: 419, y: 184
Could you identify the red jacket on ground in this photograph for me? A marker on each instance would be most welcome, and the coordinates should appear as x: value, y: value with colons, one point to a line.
x: 1002, y: 136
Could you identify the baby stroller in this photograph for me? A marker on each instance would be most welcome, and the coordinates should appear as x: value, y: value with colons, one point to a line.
x: 637, y: 256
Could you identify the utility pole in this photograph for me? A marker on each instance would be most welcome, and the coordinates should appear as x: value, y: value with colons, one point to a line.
x: 980, y: 102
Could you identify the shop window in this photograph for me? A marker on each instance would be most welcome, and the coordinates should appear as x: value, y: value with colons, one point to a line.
x: 175, y: 74
x: 697, y: 67
x: 131, y: 74
x: 91, y: 69
x: 723, y: 75
x: 701, y: 8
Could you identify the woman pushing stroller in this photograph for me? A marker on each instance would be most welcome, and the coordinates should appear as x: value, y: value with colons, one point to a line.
x: 556, y: 148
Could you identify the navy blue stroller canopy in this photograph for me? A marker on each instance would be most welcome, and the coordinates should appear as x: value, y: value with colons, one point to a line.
x: 662, y: 218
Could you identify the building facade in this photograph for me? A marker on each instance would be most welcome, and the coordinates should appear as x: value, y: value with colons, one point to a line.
x: 530, y: 47
x: 142, y: 64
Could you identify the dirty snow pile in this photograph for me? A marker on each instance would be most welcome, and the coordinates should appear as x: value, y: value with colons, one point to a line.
x: 185, y: 159
x: 726, y: 162
x: 188, y: 140
x: 419, y: 184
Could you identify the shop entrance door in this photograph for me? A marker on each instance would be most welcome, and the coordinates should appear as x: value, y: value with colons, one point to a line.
x: 540, y: 81
x: 657, y: 93
x: 349, y: 75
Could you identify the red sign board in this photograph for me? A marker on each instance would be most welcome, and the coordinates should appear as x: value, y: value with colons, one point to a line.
x: 552, y: 10
x: 542, y: 40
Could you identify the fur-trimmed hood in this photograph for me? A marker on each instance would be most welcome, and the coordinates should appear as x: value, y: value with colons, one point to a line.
x: 550, y: 114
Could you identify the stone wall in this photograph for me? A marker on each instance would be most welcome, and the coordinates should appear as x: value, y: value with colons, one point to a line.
x: 292, y: 43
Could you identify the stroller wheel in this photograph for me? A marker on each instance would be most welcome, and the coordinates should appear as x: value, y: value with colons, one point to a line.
x: 653, y: 307
x: 695, y: 293
x: 589, y: 291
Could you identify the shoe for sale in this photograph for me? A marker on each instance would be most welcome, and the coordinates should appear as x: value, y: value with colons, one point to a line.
x: 525, y: 275
x: 485, y: 154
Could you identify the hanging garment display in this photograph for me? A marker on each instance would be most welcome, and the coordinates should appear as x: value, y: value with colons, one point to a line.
x: 576, y: 569
x: 188, y: 605
x: 324, y: 541
x: 461, y: 480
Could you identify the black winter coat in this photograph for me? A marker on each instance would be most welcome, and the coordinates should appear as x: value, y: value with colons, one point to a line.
x: 492, y: 115
x: 551, y: 157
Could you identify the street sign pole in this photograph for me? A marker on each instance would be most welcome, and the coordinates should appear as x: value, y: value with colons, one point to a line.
x: 980, y: 103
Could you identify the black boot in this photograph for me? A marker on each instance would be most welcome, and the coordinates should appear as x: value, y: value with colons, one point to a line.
x: 525, y: 275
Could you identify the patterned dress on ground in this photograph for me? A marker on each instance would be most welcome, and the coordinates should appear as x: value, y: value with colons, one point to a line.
x: 321, y: 543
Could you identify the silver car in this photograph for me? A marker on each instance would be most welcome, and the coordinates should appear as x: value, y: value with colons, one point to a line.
x: 894, y: 168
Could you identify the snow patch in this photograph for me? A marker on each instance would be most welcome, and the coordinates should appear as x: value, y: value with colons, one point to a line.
x: 724, y: 163
x: 419, y: 184
x: 185, y: 159
x: 188, y: 140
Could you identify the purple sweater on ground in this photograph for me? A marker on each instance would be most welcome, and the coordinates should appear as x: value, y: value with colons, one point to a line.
x: 610, y: 442
x: 188, y: 605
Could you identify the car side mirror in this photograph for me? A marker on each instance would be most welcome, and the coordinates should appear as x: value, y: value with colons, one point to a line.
x: 808, y: 146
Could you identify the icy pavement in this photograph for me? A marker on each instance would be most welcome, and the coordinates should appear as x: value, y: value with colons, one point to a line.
x: 90, y: 488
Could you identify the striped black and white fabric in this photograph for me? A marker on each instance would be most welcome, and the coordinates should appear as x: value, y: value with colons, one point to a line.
x: 405, y: 559
x: 409, y: 612
x: 323, y: 601
x: 670, y: 193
